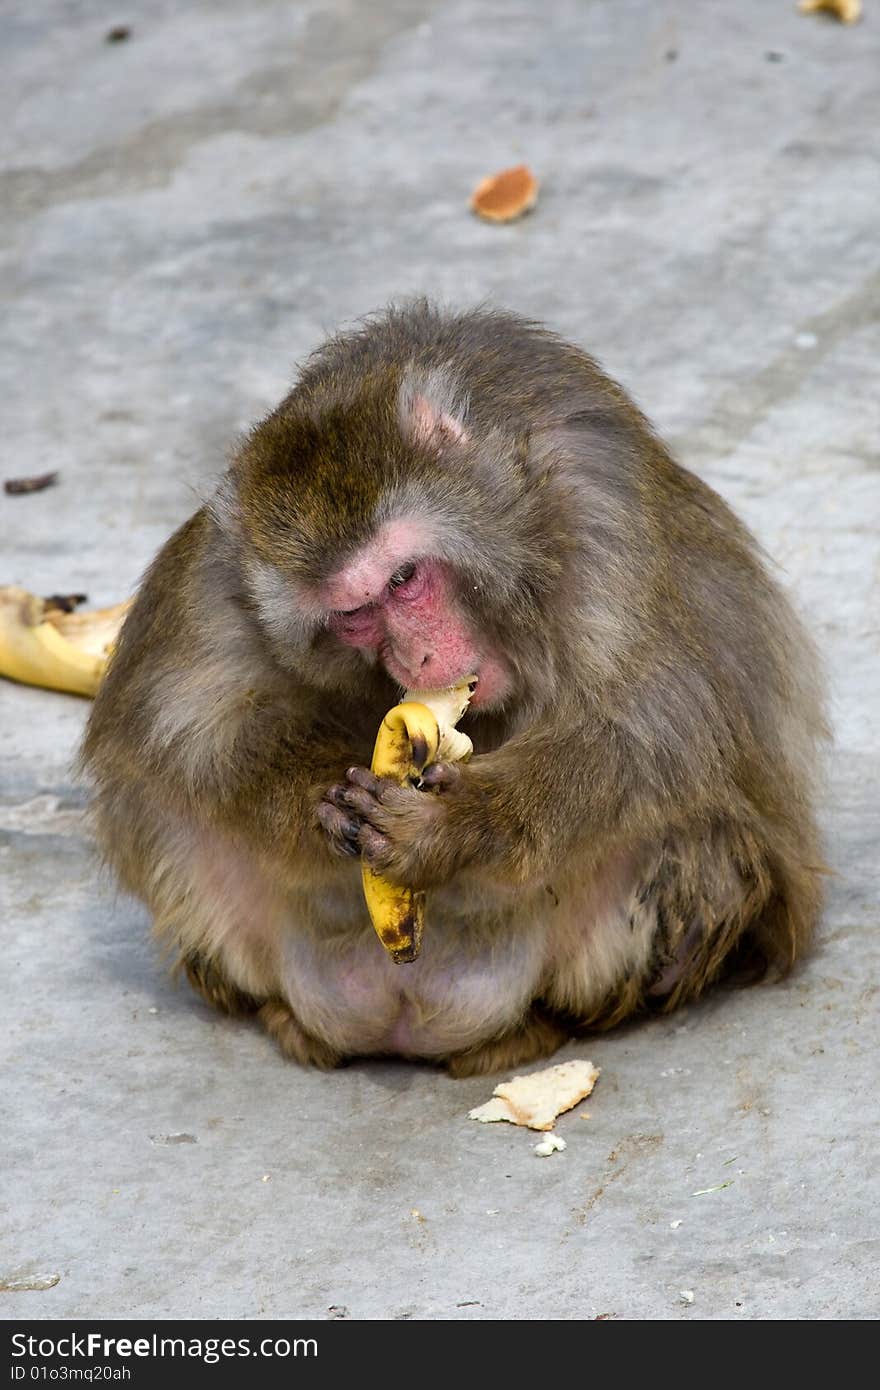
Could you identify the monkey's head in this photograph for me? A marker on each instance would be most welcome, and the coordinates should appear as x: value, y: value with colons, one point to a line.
x: 378, y: 524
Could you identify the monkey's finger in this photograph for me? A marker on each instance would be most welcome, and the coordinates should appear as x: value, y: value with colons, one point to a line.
x: 364, y: 803
x: 342, y: 829
x: 336, y: 795
x: 374, y: 847
x: 441, y: 776
x: 362, y: 777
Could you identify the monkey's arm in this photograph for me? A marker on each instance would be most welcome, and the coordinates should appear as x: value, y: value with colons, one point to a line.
x: 273, y: 795
x: 262, y: 779
x: 519, y: 810
x: 194, y: 718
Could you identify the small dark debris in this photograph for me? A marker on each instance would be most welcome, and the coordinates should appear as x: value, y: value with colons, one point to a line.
x: 603, y: 1317
x: 471, y: 1303
x: 14, y: 486
x: 337, y: 1312
x: 173, y: 1139
x: 65, y: 603
x: 771, y: 56
x: 671, y: 54
x: 120, y: 33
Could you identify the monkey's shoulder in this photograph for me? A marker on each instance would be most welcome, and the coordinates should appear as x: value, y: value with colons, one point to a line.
x: 168, y: 593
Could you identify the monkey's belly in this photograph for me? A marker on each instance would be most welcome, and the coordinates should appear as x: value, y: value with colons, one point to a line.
x: 467, y: 985
x: 488, y: 951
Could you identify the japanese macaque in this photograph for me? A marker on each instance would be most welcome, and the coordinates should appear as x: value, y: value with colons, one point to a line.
x: 439, y: 495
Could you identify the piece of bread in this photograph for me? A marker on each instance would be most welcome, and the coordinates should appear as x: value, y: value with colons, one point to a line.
x: 506, y: 195
x: 535, y: 1100
x: 550, y: 1144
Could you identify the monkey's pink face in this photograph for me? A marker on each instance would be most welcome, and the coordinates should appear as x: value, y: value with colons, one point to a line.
x: 403, y: 610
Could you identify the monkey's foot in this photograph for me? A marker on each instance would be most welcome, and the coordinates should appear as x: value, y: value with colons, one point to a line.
x: 293, y: 1040
x: 538, y: 1037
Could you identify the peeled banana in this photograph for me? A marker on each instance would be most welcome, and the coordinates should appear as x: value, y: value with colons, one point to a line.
x: 44, y: 644
x: 413, y: 734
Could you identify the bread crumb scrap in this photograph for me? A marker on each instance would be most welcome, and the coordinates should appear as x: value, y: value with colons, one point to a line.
x: 551, y: 1144
x: 506, y: 195
x: 536, y: 1099
x: 494, y: 1109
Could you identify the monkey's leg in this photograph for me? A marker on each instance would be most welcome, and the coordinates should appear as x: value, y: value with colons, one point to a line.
x: 713, y: 901
x: 718, y: 903
x: 538, y: 1036
x: 294, y: 1041
x: 207, y: 977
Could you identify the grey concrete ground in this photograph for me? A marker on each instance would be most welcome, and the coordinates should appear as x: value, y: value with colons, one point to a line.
x: 185, y: 215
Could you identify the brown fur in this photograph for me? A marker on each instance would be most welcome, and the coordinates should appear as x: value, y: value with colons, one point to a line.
x: 638, y: 817
x: 538, y: 1036
x: 293, y: 1040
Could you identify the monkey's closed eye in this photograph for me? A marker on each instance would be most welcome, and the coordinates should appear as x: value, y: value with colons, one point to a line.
x: 401, y: 576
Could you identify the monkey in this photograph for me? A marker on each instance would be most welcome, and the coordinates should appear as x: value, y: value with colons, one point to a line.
x: 443, y: 494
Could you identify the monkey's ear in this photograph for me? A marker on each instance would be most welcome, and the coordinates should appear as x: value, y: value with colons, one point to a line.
x: 428, y: 425
x: 430, y: 412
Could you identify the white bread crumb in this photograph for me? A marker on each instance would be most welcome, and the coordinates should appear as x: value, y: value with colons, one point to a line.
x: 535, y: 1100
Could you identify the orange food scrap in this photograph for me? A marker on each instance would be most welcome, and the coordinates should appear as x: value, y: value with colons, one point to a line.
x: 506, y: 195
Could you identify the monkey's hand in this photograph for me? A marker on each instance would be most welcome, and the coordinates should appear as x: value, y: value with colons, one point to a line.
x: 403, y: 833
x: 342, y: 825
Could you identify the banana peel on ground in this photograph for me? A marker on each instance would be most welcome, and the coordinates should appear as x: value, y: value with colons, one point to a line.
x: 413, y: 734
x: 43, y: 643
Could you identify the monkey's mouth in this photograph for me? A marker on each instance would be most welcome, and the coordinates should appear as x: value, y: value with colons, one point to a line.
x: 411, y: 685
x: 412, y: 682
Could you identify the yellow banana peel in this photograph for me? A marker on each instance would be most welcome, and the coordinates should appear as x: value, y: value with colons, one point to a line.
x: 41, y: 644
x: 847, y: 11
x: 413, y: 734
